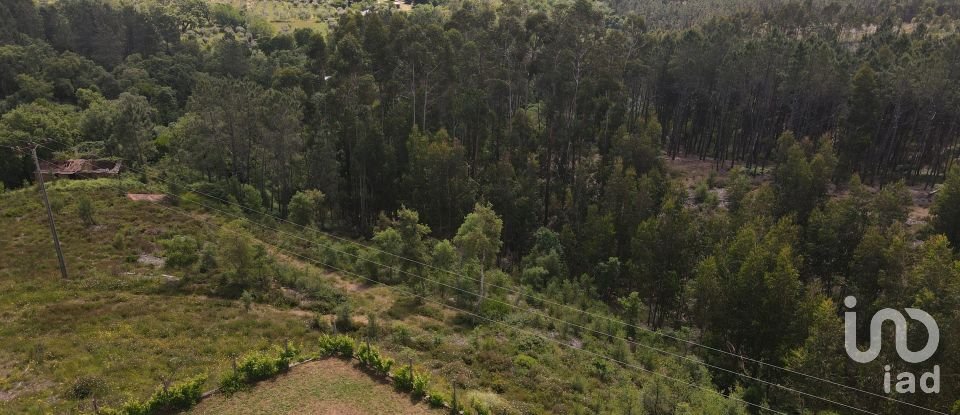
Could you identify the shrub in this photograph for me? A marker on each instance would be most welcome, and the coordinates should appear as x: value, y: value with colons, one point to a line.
x: 420, y: 384
x: 373, y: 329
x: 403, y: 379
x: 87, y: 387
x: 85, y: 210
x: 305, y: 207
x: 371, y: 359
x: 247, y: 300
x: 701, y: 192
x: 256, y: 367
x: 56, y: 203
x: 208, y: 258
x: 251, y: 199
x: 180, y: 251
x: 494, y: 310
x: 490, y: 403
x: 524, y: 361
x: 179, y: 397
x: 337, y: 345
x: 407, y: 380
x: 319, y: 323
x: 122, y: 237
x: 343, y: 321
x: 436, y: 399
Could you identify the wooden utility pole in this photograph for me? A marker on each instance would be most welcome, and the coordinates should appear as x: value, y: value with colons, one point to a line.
x: 46, y: 203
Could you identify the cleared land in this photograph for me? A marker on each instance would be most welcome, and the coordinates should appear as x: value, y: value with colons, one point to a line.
x: 326, y: 387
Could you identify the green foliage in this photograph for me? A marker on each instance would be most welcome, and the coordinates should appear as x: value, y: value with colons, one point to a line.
x: 344, y: 321
x: 175, y: 398
x: 946, y: 207
x: 388, y: 110
x: 257, y: 366
x: 438, y: 178
x: 406, y: 379
x: 251, y: 199
x: 180, y: 251
x: 479, y: 235
x: 800, y: 181
x: 85, y: 387
x: 524, y: 361
x: 57, y: 202
x: 371, y: 359
x: 246, y: 299
x: 336, y: 345
x: 306, y: 207
x: 437, y: 399
x: 85, y: 211
x: 123, y: 237
x: 243, y: 264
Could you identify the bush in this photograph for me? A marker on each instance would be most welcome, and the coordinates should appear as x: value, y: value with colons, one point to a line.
x: 337, y: 345
x: 177, y: 398
x: 180, y: 251
x: 407, y: 380
x: 122, y: 238
x: 86, y: 387
x: 85, y: 211
x: 251, y: 199
x: 256, y: 367
x: 343, y: 321
x: 56, y: 202
x: 436, y: 399
x: 208, y: 258
x: 524, y: 361
x: 371, y: 359
x: 305, y: 207
x: 246, y: 299
x: 319, y: 323
x: 701, y: 192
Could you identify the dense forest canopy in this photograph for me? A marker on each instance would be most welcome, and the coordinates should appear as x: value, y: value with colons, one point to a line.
x: 550, y: 122
x: 798, y: 14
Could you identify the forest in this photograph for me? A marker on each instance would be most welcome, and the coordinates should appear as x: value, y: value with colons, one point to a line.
x: 535, y: 139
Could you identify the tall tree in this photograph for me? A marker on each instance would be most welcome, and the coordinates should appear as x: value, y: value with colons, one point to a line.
x: 479, y: 241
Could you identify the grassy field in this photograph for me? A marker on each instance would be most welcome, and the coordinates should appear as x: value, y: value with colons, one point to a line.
x: 326, y: 387
x: 132, y: 323
x: 115, y: 318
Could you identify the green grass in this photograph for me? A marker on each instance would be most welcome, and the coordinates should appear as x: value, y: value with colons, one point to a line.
x: 330, y: 386
x: 124, y: 321
x: 114, y: 318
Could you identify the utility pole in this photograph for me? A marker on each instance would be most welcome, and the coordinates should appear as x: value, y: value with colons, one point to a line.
x: 46, y: 203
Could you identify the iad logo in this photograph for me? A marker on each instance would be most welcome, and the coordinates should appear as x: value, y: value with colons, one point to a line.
x: 906, y: 381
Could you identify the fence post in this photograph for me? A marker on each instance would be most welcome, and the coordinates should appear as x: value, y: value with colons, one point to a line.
x: 454, y: 405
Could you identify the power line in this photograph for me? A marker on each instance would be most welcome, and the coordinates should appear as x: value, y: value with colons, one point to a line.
x: 478, y: 295
x: 443, y: 304
x: 548, y: 301
x: 675, y: 355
